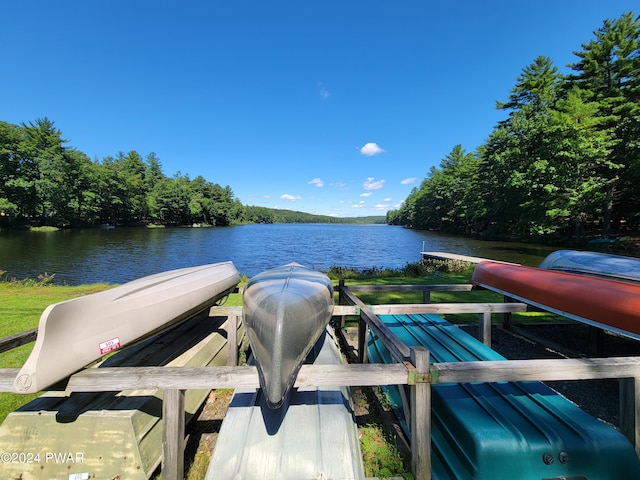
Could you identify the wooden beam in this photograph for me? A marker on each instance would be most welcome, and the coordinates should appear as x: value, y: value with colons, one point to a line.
x: 173, y: 434
x: 14, y: 341
x: 484, y: 328
x: 237, y: 311
x: 530, y: 370
x: 185, y: 378
x: 447, y: 308
x: 421, y: 417
x: 222, y: 311
x: 629, y: 410
x: 129, y: 378
x: 452, y: 287
x: 7, y: 376
x: 232, y: 340
x: 363, y: 333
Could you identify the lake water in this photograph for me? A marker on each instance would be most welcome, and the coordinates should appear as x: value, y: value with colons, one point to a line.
x: 122, y: 254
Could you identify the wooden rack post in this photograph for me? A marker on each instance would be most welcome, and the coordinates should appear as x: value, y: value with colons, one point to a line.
x: 173, y: 434
x: 232, y: 340
x: 421, y: 416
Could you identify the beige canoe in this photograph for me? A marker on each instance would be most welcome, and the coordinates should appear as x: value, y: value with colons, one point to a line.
x: 76, y: 332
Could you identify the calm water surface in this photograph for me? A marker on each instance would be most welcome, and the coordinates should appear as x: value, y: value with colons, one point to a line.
x: 123, y: 254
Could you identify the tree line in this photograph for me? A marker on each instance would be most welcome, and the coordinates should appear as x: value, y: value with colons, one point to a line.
x: 565, y: 159
x: 43, y: 181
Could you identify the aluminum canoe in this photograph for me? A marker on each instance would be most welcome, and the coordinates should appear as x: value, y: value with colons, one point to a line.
x: 598, y: 264
x: 313, y: 436
x: 285, y: 310
x: 76, y: 332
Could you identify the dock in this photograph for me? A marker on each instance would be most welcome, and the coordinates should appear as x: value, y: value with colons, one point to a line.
x: 455, y: 256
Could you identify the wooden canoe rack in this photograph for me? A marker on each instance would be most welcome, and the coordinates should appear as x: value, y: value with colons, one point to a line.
x: 412, y: 368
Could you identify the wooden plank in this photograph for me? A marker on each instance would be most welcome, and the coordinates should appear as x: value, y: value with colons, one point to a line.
x: 448, y: 308
x: 124, y: 378
x: 128, y: 378
x: 232, y: 340
x: 421, y: 417
x: 543, y: 370
x: 14, y: 341
x: 7, y: 376
x: 442, y: 308
x: 363, y: 332
x: 173, y: 434
x: 455, y: 256
x: 629, y: 410
x: 222, y: 311
x: 237, y: 311
x: 342, y: 310
x: 485, y: 328
x: 453, y: 287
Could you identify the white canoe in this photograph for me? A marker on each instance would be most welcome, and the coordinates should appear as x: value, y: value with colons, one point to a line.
x: 285, y: 310
x: 598, y: 264
x: 76, y: 332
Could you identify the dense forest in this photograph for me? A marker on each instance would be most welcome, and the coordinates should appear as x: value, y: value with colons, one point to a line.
x: 565, y: 160
x: 45, y: 182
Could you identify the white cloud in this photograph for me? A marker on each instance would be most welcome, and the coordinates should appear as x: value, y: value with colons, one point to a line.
x: 317, y: 182
x: 408, y: 181
x: 370, y: 149
x: 382, y: 206
x: 366, y: 194
x: 291, y: 198
x: 387, y: 200
x: 322, y: 88
x: 372, y: 184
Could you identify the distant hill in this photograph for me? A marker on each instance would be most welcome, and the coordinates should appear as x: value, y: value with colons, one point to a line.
x: 255, y: 214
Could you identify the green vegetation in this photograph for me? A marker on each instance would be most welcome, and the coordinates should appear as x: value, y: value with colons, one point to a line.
x: 565, y: 160
x: 380, y: 457
x: 46, y: 184
x: 274, y: 215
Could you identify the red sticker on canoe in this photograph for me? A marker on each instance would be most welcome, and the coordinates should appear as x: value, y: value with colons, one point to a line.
x: 109, y: 346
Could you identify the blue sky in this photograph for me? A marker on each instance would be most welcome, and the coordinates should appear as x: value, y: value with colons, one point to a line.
x: 334, y: 107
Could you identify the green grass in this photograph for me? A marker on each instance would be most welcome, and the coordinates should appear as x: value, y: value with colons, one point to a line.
x: 380, y: 456
x: 21, y: 304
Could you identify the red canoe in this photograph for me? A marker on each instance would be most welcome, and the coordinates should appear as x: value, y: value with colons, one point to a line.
x: 609, y: 304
